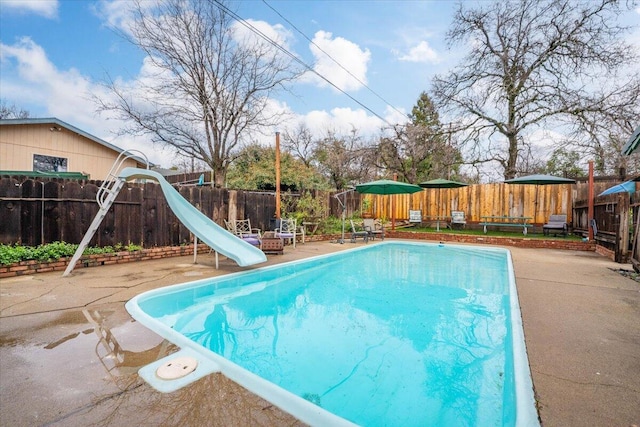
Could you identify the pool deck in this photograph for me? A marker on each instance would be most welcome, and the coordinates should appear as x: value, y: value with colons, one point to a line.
x: 69, y: 351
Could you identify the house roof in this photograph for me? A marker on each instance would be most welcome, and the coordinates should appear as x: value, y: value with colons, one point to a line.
x: 58, y: 122
x: 42, y: 174
x: 632, y: 143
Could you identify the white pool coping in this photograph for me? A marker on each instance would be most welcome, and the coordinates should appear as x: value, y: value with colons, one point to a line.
x: 210, y: 362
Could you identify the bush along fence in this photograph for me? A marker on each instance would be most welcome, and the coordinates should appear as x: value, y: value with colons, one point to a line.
x: 94, y: 260
x: 33, y: 266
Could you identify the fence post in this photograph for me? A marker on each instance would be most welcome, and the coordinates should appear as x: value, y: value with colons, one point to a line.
x: 622, y: 236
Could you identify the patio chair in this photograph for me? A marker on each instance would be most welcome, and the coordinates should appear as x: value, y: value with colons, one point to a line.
x: 287, y: 230
x: 242, y: 228
x: 557, y: 224
x: 457, y: 220
x: 230, y: 226
x: 374, y: 228
x: 364, y: 234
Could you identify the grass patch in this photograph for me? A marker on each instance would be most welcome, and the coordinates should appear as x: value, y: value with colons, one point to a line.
x: 491, y: 233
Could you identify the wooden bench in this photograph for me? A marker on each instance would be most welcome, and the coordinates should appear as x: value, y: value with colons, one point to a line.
x: 506, y: 221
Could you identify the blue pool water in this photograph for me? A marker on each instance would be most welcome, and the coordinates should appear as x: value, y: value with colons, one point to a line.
x: 392, y: 334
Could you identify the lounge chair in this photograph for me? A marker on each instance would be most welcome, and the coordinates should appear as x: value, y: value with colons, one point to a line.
x: 457, y: 220
x: 287, y: 230
x: 557, y: 224
x: 364, y: 234
x: 374, y: 228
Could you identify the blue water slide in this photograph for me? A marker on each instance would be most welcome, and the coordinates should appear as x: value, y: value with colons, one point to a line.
x: 199, y: 224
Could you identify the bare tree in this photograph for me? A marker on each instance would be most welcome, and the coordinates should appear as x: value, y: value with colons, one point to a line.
x: 602, y: 134
x: 343, y: 159
x: 532, y: 62
x: 11, y: 111
x: 300, y: 143
x: 210, y: 88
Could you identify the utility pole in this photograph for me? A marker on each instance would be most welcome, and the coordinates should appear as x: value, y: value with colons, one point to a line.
x: 590, y: 208
x: 277, y: 175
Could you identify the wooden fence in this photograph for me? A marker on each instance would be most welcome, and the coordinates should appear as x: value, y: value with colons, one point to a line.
x: 534, y: 201
x: 38, y: 211
x: 615, y: 217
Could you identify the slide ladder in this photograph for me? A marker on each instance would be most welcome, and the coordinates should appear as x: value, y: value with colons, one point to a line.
x: 105, y: 197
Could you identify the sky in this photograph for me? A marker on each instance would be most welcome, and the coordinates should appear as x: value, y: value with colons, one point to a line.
x: 54, y: 54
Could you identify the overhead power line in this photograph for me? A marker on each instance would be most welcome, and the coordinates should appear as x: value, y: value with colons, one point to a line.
x: 294, y: 57
x: 333, y: 59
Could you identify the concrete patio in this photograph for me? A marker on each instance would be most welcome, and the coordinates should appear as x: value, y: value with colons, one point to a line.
x: 581, y: 320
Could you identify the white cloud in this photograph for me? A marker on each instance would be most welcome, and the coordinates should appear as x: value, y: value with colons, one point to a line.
x: 342, y: 121
x: 348, y: 55
x: 339, y: 120
x: 116, y: 13
x: 421, y: 52
x: 46, y: 8
x: 247, y: 31
x: 28, y: 75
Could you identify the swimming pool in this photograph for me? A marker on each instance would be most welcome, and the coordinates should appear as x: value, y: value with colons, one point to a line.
x: 388, y: 334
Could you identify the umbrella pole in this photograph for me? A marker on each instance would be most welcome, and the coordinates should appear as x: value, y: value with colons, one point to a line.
x: 535, y: 207
x: 438, y: 210
x: 393, y: 213
x: 344, y: 210
x: 343, y: 220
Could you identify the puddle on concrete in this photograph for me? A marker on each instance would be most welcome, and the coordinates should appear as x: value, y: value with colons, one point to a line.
x: 65, y: 339
x: 79, y: 367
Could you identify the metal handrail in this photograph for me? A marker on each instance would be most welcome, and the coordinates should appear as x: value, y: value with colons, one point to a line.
x: 112, y: 176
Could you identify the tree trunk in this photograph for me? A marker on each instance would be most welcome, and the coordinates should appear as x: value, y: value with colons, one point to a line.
x: 510, y: 169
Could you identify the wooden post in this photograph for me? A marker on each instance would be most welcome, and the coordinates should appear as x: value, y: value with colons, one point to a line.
x: 622, y: 236
x: 277, y: 175
x: 590, y: 198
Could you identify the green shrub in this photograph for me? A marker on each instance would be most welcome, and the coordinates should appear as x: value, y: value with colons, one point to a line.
x: 331, y: 225
x: 11, y: 254
x: 53, y: 251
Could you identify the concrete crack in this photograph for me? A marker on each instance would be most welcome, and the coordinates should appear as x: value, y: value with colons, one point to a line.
x: 585, y: 383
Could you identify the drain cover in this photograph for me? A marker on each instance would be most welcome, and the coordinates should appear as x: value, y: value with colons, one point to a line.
x: 177, y: 368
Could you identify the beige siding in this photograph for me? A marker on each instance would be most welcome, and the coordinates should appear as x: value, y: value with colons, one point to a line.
x: 18, y: 144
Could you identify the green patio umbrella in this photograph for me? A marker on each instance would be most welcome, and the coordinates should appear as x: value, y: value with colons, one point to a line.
x: 387, y: 186
x: 540, y: 180
x: 441, y: 183
x: 537, y: 180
